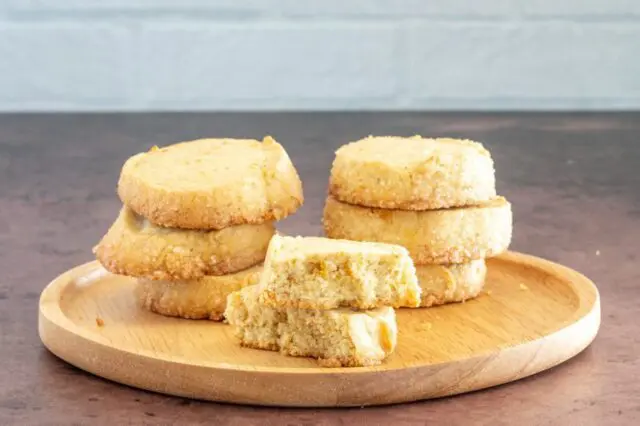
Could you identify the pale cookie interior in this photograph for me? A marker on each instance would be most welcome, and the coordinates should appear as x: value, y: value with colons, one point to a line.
x: 320, y: 273
x: 339, y: 337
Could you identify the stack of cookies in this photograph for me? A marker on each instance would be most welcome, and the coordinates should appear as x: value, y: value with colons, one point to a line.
x: 196, y: 221
x: 436, y: 197
x: 327, y: 299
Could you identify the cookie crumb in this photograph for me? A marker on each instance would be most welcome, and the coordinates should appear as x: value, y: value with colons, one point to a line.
x: 329, y: 362
x: 489, y: 292
x: 426, y: 326
x: 523, y: 287
x: 99, y: 322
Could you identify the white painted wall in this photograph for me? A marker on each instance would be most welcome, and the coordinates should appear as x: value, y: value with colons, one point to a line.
x: 138, y: 55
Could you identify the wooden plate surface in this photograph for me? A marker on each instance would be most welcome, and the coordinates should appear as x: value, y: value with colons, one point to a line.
x: 533, y: 315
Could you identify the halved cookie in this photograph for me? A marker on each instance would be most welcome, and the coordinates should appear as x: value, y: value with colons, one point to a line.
x: 205, y: 298
x: 412, y: 173
x: 323, y: 273
x: 337, y: 337
x: 455, y: 235
x: 212, y: 183
x: 135, y: 247
x: 457, y: 282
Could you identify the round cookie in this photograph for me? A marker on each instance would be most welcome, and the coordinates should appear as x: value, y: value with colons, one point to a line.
x: 135, y: 247
x: 455, y: 235
x: 212, y: 183
x: 205, y: 298
x: 412, y: 173
x: 451, y: 283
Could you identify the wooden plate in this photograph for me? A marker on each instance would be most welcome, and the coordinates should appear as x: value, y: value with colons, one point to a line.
x: 534, y: 315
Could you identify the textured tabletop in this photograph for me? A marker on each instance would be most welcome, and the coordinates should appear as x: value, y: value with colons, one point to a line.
x: 573, y: 180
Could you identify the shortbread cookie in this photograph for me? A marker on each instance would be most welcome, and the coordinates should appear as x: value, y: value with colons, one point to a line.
x: 205, y: 298
x: 338, y: 337
x: 451, y: 283
x: 212, y: 183
x: 433, y: 236
x: 135, y: 247
x: 320, y: 273
x: 412, y: 173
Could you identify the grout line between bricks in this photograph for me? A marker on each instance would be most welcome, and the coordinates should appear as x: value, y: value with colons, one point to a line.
x: 207, y: 15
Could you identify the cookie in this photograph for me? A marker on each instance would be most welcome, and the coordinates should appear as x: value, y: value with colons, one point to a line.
x: 456, y: 282
x: 337, y: 337
x: 212, y: 183
x: 135, y: 247
x: 455, y: 235
x: 323, y: 273
x: 412, y: 173
x: 205, y: 298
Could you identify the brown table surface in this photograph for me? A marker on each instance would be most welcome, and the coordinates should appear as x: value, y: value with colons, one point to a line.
x: 574, y: 181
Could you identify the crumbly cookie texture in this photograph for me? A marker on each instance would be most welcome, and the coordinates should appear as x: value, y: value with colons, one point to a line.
x: 412, y: 173
x: 457, y: 282
x: 135, y: 247
x: 320, y: 273
x: 455, y: 235
x: 212, y: 183
x: 338, y: 338
x: 205, y: 298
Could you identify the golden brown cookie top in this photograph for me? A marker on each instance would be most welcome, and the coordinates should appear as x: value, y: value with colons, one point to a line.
x: 207, y: 163
x: 412, y: 173
x: 211, y: 183
x: 397, y: 151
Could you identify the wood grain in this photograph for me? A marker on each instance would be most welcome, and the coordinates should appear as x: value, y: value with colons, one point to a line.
x: 533, y: 315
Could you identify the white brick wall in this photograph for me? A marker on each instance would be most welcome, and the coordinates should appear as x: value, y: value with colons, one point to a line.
x: 264, y: 64
x: 318, y: 54
x: 526, y: 64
